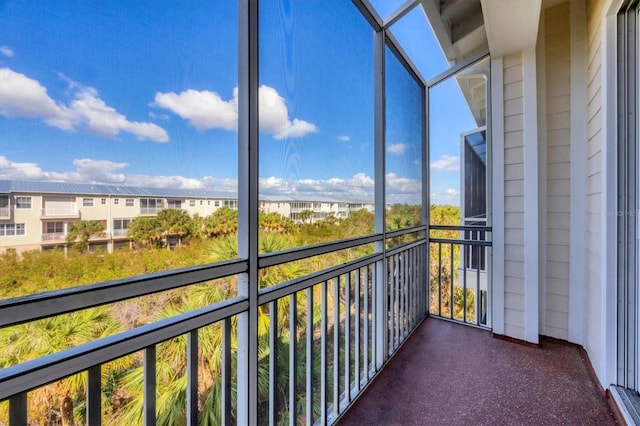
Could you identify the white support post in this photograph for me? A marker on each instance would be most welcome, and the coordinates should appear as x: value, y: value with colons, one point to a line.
x: 578, y: 172
x: 531, y: 225
x: 497, y: 209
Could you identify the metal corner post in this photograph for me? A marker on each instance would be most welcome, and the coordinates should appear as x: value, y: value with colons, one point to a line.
x: 380, y: 207
x: 247, y: 386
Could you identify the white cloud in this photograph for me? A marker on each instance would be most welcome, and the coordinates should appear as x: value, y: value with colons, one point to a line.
x: 397, y: 148
x: 344, y: 138
x: 446, y: 163
x: 7, y: 51
x: 156, y: 116
x: 13, y: 170
x: 23, y: 97
x: 205, y: 109
x: 359, y: 187
x: 447, y: 196
x: 95, y: 171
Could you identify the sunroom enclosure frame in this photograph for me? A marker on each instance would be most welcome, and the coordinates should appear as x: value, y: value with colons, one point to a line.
x: 407, y: 266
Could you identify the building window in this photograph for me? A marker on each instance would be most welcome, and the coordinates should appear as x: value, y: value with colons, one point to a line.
x: 55, y: 227
x: 103, y: 201
x: 192, y: 203
x: 87, y: 202
x: 23, y: 202
x: 121, y: 227
x: 201, y: 202
x: 11, y: 229
x: 174, y: 204
x: 128, y: 202
x: 116, y: 201
x: 216, y: 203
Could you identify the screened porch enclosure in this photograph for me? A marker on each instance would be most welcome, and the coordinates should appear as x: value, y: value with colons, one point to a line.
x: 278, y: 349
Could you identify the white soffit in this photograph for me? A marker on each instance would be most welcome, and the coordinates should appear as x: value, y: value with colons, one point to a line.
x: 511, y: 25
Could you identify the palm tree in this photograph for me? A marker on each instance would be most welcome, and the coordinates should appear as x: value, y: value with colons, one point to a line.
x: 50, y: 335
x: 145, y: 231
x: 80, y: 232
x: 175, y: 222
x: 222, y: 222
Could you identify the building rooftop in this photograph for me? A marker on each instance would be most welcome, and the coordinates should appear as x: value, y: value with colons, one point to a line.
x: 9, y: 186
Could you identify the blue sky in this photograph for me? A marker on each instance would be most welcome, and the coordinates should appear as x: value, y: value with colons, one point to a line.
x: 142, y: 93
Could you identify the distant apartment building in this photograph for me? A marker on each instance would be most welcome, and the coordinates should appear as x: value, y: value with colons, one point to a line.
x: 38, y: 215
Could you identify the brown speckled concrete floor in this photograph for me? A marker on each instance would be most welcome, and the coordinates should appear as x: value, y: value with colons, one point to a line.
x: 451, y: 374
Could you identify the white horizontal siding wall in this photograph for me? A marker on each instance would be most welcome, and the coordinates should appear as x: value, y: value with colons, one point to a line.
x: 514, y: 200
x: 557, y: 79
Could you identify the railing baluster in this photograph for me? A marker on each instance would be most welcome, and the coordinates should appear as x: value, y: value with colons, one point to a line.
x: 226, y: 372
x: 94, y: 395
x: 439, y: 278
x: 478, y: 302
x: 451, y: 280
x: 401, y: 293
x: 273, y: 363
x: 336, y: 346
x: 464, y: 284
x: 347, y: 337
x: 356, y: 330
x: 309, y: 389
x: 394, y: 304
x: 323, y: 356
x: 192, y: 379
x: 366, y: 323
x: 293, y: 358
x: 150, y: 386
x: 18, y: 410
x: 397, y: 303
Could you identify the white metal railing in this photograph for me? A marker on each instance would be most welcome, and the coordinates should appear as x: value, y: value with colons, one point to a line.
x: 328, y: 335
x: 69, y: 211
x: 5, y: 211
x: 459, y: 283
x: 119, y: 232
x: 53, y: 236
x: 150, y: 210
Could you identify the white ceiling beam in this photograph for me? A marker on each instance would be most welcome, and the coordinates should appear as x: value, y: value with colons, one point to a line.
x: 440, y: 28
x: 511, y: 25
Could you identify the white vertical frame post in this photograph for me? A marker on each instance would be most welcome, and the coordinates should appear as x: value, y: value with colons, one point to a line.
x: 578, y: 172
x: 247, y: 356
x: 426, y: 201
x: 606, y: 369
x: 380, y: 205
x: 497, y: 210
x: 531, y: 237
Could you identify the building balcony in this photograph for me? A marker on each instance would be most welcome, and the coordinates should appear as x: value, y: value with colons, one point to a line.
x: 5, y: 212
x: 51, y: 237
x: 150, y: 211
x: 70, y: 212
x: 376, y: 356
x: 119, y: 233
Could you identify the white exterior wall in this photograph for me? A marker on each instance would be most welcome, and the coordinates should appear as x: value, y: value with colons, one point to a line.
x: 514, y: 201
x: 556, y: 73
x: 600, y: 240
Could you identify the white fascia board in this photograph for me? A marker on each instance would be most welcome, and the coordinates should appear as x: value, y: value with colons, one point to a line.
x: 511, y: 25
